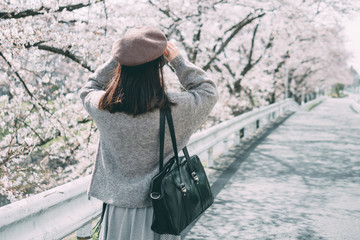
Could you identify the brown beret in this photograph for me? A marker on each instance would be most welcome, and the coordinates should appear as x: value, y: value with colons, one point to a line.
x: 139, y: 45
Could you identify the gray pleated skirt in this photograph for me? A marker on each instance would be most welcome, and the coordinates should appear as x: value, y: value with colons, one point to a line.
x: 129, y: 224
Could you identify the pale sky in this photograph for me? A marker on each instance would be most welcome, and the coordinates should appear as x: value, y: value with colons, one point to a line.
x: 352, y: 38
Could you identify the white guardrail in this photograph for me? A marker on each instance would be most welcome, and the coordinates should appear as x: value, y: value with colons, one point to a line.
x: 63, y: 210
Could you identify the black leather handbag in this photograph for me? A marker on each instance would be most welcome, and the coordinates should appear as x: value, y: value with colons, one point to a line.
x: 180, y: 192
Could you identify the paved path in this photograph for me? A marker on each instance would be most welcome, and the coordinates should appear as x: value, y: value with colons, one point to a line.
x: 301, y: 182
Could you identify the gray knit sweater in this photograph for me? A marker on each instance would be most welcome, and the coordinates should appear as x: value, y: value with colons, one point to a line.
x: 128, y: 150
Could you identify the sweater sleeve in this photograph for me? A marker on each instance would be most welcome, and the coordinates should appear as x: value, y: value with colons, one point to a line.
x: 193, y: 77
x: 97, y: 82
x: 196, y: 103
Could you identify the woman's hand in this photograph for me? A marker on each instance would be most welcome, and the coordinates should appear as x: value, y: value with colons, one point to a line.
x: 171, y: 51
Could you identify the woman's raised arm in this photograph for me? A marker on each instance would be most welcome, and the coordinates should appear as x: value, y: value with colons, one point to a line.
x: 97, y: 82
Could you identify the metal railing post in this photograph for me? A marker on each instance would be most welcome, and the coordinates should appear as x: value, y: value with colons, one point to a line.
x: 226, y: 145
x: 237, y: 138
x: 246, y: 132
x: 210, y: 160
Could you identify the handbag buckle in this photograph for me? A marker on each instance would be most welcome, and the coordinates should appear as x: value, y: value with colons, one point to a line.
x: 195, y: 177
x: 183, y: 188
x: 155, y: 195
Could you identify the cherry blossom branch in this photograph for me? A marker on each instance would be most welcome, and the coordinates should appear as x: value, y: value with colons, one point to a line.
x: 271, y: 98
x: 92, y: 130
x: 42, y: 141
x: 313, y: 60
x: 234, y: 31
x: 248, y: 93
x: 84, y: 120
x: 233, y: 75
x: 196, y: 37
x: 250, y: 64
x: 167, y: 12
x: 173, y: 27
x: 23, y: 83
x: 42, y: 10
x: 65, y: 53
x: 281, y: 63
x: 17, y: 75
x: 13, y: 153
x: 106, y: 17
x: 196, y: 41
x: 33, y: 130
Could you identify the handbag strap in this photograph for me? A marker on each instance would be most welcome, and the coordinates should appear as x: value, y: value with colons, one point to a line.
x: 172, y: 132
x: 162, y: 139
x: 167, y: 112
x: 186, y: 153
x: 173, y: 138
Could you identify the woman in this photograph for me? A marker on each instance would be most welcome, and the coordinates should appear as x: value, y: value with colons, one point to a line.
x: 123, y: 97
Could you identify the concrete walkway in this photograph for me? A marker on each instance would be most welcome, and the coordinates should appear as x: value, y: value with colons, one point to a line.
x: 301, y: 182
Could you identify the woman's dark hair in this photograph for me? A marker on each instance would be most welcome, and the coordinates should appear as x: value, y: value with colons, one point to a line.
x: 136, y: 89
